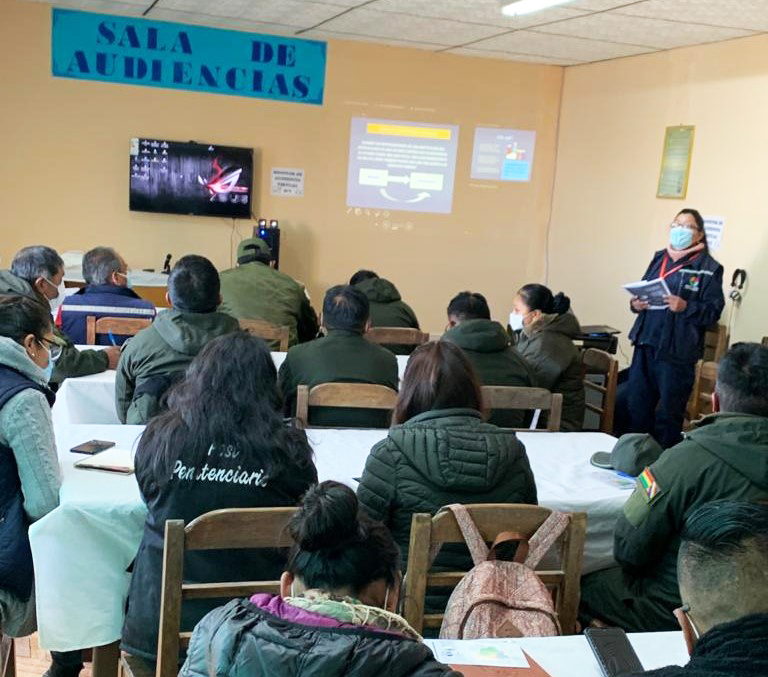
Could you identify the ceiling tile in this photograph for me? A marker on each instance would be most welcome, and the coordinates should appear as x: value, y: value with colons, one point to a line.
x: 372, y: 23
x: 510, y: 56
x: 613, y: 27
x: 474, y: 11
x: 602, y: 5
x: 558, y: 46
x: 748, y: 14
x: 161, y: 14
x: 285, y: 12
x: 320, y: 34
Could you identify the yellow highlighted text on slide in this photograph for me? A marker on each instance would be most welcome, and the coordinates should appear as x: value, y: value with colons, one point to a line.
x: 408, y: 130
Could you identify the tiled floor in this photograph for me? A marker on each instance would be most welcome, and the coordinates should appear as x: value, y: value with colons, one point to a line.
x: 32, y: 661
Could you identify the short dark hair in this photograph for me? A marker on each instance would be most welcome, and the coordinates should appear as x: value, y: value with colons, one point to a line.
x: 336, y: 544
x: 742, y: 380
x: 36, y: 261
x: 719, y: 539
x: 99, y: 263
x: 345, y: 307
x: 539, y: 297
x: 438, y: 376
x: 467, y: 305
x: 362, y: 275
x: 21, y: 316
x: 194, y: 285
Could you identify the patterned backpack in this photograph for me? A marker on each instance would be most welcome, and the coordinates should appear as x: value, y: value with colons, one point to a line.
x: 503, y: 599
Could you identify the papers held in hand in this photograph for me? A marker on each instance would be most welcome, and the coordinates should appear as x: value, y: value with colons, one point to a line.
x: 111, y: 460
x: 651, y: 291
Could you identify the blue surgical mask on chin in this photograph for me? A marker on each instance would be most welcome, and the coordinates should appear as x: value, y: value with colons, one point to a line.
x: 680, y: 237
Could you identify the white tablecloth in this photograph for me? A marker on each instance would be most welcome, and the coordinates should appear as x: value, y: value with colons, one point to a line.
x: 81, y: 550
x: 91, y: 399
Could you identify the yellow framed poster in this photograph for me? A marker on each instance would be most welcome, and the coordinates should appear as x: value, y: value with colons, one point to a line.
x: 676, y: 162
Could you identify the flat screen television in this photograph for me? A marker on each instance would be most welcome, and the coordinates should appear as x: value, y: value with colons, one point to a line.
x: 177, y: 177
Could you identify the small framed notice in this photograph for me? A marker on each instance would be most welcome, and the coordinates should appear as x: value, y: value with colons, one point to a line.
x: 675, y: 162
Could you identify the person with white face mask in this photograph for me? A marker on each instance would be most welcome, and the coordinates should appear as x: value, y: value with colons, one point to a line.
x: 668, y: 342
x: 38, y: 273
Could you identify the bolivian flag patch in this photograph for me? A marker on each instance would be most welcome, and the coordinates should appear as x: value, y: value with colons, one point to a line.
x: 649, y: 485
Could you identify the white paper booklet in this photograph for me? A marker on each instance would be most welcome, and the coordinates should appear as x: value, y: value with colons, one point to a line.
x: 111, y: 460
x: 652, y: 291
x: 497, y: 653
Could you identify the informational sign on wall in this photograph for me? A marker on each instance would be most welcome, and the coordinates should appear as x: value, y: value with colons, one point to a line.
x: 130, y: 50
x: 401, y: 165
x: 714, y: 226
x: 287, y: 182
x: 676, y: 162
x: 503, y: 154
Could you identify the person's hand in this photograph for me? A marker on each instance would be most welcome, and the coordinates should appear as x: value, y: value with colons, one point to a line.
x: 638, y: 305
x: 113, y: 354
x: 675, y: 303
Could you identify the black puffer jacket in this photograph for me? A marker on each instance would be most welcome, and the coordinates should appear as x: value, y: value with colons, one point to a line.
x: 242, y: 640
x: 442, y: 457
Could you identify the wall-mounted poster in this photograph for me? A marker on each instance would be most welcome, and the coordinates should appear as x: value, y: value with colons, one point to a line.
x: 675, y: 162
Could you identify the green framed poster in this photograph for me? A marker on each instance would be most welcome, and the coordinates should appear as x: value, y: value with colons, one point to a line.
x: 676, y: 162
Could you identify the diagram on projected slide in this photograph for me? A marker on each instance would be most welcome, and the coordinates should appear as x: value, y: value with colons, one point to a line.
x: 401, y: 165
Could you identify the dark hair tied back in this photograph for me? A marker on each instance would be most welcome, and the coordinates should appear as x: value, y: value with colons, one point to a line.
x: 327, y: 519
x: 539, y: 297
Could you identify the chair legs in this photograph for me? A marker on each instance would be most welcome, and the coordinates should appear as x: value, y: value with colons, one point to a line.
x: 7, y: 657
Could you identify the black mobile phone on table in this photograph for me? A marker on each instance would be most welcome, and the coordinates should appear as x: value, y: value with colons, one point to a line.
x: 92, y: 447
x: 613, y: 651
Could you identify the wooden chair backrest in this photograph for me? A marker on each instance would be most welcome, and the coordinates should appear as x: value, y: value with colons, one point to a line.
x: 491, y: 519
x: 119, y: 326
x: 514, y: 397
x: 351, y: 395
x: 232, y: 528
x: 268, y: 331
x: 716, y: 341
x: 594, y: 361
x: 7, y: 656
x: 397, y: 336
x: 700, y: 403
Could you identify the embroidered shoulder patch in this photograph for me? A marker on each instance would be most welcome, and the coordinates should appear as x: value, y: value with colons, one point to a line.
x: 649, y: 485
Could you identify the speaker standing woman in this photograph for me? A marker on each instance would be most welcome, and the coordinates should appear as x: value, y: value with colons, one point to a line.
x: 668, y: 342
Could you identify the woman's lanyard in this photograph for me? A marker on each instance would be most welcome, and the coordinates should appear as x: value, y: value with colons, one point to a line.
x: 663, y: 274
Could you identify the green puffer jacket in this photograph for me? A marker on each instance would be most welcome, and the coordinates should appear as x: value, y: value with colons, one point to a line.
x: 72, y: 362
x: 388, y: 309
x: 496, y: 363
x: 158, y: 355
x: 442, y: 457
x: 547, y: 346
x: 255, y: 291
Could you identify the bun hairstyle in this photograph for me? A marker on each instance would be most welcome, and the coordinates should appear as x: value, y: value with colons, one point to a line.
x: 336, y: 544
x: 539, y: 297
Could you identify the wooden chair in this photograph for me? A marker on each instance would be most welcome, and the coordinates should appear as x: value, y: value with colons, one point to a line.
x: 7, y: 656
x: 220, y: 529
x: 352, y: 395
x: 119, y: 326
x: 594, y: 361
x: 765, y: 341
x: 271, y: 333
x: 491, y: 519
x: 397, y: 336
x: 716, y: 341
x: 513, y: 397
x: 700, y: 402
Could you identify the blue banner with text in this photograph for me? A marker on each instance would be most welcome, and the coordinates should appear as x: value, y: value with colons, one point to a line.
x: 130, y: 50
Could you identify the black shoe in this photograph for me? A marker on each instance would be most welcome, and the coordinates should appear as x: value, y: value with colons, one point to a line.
x: 65, y: 664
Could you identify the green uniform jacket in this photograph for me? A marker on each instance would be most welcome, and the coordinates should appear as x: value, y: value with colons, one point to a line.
x: 440, y: 457
x: 72, y: 362
x: 726, y: 457
x: 547, y: 347
x: 255, y: 291
x: 496, y: 363
x: 341, y: 356
x: 165, y: 348
x: 388, y: 309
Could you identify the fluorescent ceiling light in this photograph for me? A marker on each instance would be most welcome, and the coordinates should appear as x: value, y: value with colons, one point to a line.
x: 527, y: 6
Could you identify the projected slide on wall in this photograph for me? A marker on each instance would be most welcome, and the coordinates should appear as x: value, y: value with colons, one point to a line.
x: 401, y: 165
x: 503, y: 154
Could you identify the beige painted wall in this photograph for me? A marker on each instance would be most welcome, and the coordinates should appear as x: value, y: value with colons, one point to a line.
x: 607, y: 221
x: 65, y: 182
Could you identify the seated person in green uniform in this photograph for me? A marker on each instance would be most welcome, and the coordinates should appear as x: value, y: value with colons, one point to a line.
x: 158, y: 356
x: 38, y: 272
x: 254, y: 290
x: 343, y: 355
x: 723, y: 574
x: 387, y: 306
x: 486, y: 344
x: 724, y: 457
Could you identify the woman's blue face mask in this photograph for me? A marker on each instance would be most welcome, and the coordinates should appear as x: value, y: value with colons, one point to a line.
x: 680, y: 237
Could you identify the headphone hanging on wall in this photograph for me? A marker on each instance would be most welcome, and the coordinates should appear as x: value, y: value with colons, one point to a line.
x: 738, y: 280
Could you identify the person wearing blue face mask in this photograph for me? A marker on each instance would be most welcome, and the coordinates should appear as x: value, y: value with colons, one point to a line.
x: 107, y: 293
x: 668, y: 342
x: 29, y: 468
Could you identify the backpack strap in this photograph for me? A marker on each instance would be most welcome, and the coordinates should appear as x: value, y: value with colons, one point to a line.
x: 474, y: 539
x: 550, y: 530
x: 510, y: 537
x: 518, y: 605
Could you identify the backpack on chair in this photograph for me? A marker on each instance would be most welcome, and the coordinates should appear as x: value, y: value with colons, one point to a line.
x: 503, y: 599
